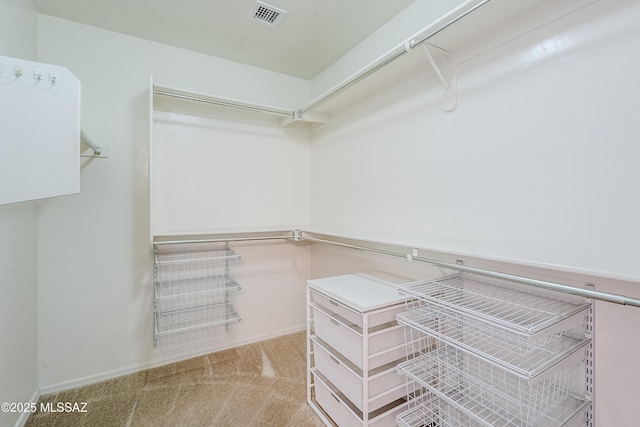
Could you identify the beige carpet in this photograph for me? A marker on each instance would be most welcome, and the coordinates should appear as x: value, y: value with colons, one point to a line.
x: 261, y: 384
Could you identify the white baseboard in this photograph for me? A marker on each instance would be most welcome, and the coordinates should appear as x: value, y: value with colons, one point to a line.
x: 92, y: 379
x: 25, y: 415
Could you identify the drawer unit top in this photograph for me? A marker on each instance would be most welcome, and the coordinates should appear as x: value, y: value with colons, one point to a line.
x: 362, y: 292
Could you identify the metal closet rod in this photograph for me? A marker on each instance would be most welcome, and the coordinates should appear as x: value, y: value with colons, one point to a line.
x: 585, y: 293
x: 227, y: 103
x: 422, y: 36
x: 298, y: 235
x: 95, y: 147
x: 222, y: 240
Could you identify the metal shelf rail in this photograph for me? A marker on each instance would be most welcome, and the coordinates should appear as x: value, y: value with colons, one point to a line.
x: 300, y: 235
x: 541, y: 284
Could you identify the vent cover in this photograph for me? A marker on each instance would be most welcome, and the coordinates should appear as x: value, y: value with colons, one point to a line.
x: 266, y: 14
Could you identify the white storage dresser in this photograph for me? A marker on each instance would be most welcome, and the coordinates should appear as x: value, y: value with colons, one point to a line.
x: 354, y: 345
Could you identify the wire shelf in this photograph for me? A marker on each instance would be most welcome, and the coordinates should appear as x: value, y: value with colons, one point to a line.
x: 524, y: 357
x: 178, y: 321
x: 179, y: 286
x: 193, y: 271
x: 487, y: 394
x: 207, y: 294
x: 197, y: 256
x: 196, y: 341
x: 194, y: 292
x: 531, y: 315
x: 429, y: 410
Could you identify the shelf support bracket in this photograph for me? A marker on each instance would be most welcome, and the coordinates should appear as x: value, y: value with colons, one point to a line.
x: 96, y: 150
x: 446, y: 73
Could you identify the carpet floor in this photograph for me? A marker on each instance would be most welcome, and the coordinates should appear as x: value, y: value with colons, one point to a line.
x: 261, y: 384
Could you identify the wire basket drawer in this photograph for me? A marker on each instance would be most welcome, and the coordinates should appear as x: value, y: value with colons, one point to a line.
x: 194, y: 271
x: 430, y: 410
x: 195, y: 317
x: 532, y: 316
x: 201, y: 340
x: 518, y: 353
x: 209, y: 295
x: 488, y: 394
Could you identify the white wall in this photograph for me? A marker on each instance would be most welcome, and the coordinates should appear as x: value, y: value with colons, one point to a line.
x: 212, y: 172
x: 537, y: 162
x: 95, y: 271
x: 18, y: 306
x: 18, y: 28
x: 18, y: 248
x: 537, y: 165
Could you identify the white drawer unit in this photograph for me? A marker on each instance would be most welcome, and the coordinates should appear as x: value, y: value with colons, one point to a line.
x: 354, y: 345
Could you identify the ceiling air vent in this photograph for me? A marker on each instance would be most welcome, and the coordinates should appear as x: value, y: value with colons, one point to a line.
x: 266, y: 14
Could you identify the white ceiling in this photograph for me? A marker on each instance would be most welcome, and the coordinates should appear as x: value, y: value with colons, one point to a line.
x: 311, y: 37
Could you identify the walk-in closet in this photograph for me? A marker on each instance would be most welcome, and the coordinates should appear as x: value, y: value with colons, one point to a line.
x: 278, y: 213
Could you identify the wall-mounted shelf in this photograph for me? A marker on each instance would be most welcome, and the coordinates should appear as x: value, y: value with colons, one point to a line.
x: 194, y: 293
x: 463, y: 23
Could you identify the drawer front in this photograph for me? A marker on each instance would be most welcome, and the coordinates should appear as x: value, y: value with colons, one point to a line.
x: 335, y: 406
x: 383, y: 387
x: 385, y: 346
x: 386, y: 387
x: 339, y: 335
x: 375, y: 317
x: 385, y: 315
x: 334, y: 306
x: 338, y: 373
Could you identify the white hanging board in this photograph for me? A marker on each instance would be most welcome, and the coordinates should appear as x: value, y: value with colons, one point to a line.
x: 39, y: 131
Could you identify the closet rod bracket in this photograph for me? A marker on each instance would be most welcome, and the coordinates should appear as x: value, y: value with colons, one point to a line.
x: 92, y: 149
x: 446, y: 73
